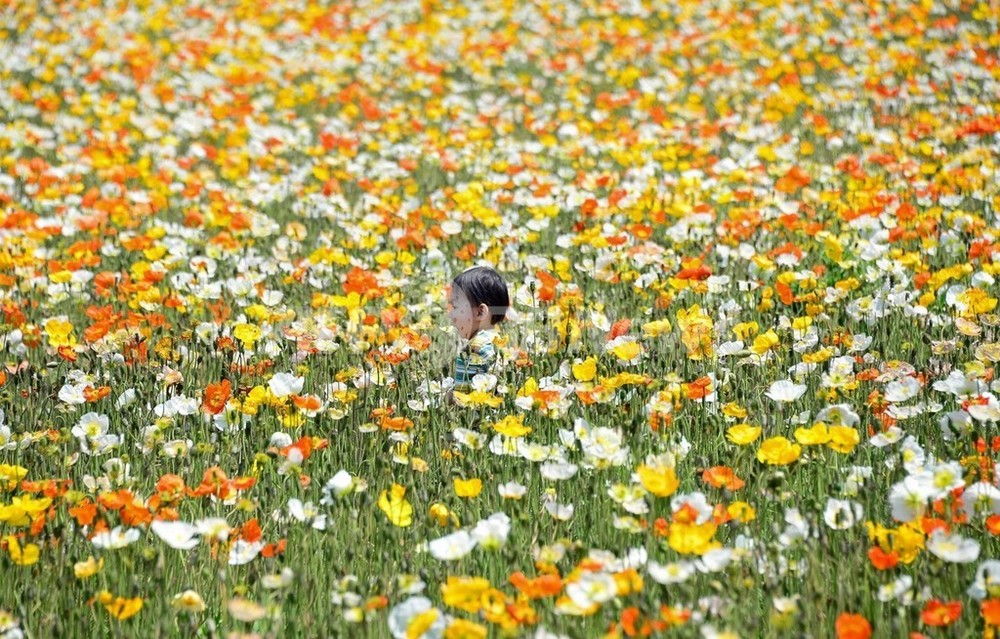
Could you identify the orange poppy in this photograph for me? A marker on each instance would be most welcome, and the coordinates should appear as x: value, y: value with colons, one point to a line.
x: 398, y: 423
x: 940, y: 613
x: 307, y: 402
x: 722, y: 477
x: 216, y: 397
x: 250, y: 531
x: 392, y: 316
x: 170, y: 486
x: 537, y: 587
x: 362, y: 282
x: 115, y: 500
x: 883, y: 560
x: 547, y: 292
x: 619, y: 328
x: 795, y: 179
x: 993, y: 524
x: 92, y: 394
x: 852, y: 626
x: 135, y: 514
x: 84, y: 513
x: 699, y: 388
x: 784, y: 293
x: 990, y: 610
x: 634, y: 624
x: 273, y: 550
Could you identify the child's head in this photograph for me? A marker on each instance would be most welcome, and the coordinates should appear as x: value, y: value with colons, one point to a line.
x: 479, y: 300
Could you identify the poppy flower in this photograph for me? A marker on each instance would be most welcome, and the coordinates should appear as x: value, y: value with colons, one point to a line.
x: 722, y: 477
x: 939, y: 613
x: 852, y: 626
x: 216, y: 397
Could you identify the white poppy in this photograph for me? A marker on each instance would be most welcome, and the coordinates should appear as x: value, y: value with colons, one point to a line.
x: 512, y: 490
x: 953, y: 421
x: 280, y: 439
x: 562, y: 512
x: 285, y: 384
x: 987, y: 580
x: 841, y: 514
x: 127, y: 398
x: 91, y: 426
x: 117, y: 537
x: 215, y: 528
x: 985, y: 412
x: 898, y: 590
x: 604, y: 444
x: 591, y: 588
x: 981, y: 497
x: 908, y: 499
x: 531, y: 451
x: 469, y: 438
x: 484, y: 382
x: 176, y: 534
x: 715, y: 560
x: 912, y: 454
x: 243, y: 552
x: 635, y: 558
x: 6, y: 440
x: 403, y: 614
x: 282, y: 579
x: 953, y: 548
x: 887, y: 437
x: 839, y: 414
x: 450, y: 547
x: 339, y: 485
x: 727, y: 349
x: 557, y: 471
x: 785, y: 391
x: 673, y: 573
x: 902, y: 390
x: 73, y: 393
x: 100, y: 444
x: 492, y: 532
x: 959, y: 385
x: 504, y: 446
x: 306, y: 512
x: 944, y: 477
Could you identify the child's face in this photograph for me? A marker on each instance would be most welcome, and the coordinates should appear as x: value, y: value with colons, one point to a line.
x: 463, y: 317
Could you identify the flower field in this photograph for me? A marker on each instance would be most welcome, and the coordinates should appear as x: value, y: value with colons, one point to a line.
x: 748, y: 376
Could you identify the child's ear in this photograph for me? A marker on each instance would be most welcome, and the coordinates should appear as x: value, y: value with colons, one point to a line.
x: 482, y: 310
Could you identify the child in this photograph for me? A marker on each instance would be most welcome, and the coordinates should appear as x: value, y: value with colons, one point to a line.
x: 479, y: 301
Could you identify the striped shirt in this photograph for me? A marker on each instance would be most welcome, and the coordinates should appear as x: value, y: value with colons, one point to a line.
x: 478, y: 356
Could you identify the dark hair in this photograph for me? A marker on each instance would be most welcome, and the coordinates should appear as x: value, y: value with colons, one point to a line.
x: 483, y: 285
